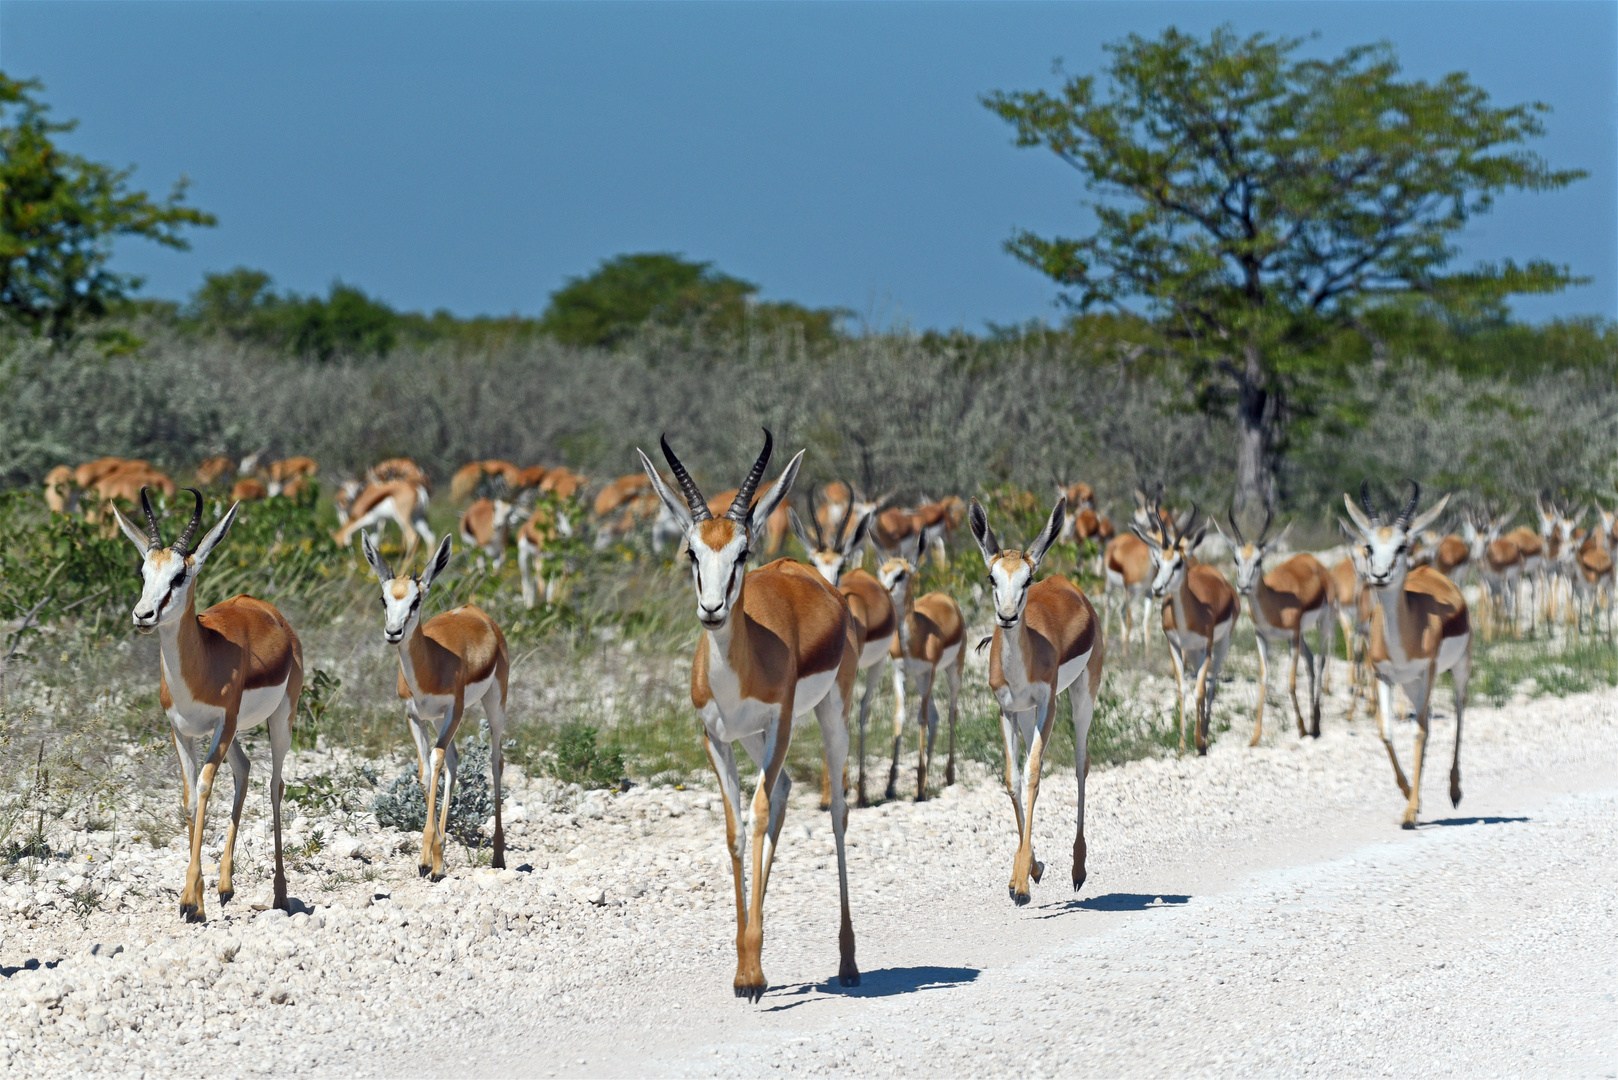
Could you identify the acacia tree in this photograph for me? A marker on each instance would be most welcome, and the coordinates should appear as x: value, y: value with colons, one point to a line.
x: 59, y: 214
x: 1257, y: 203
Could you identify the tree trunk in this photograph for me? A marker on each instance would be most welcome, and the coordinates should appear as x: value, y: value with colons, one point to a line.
x: 1256, y: 417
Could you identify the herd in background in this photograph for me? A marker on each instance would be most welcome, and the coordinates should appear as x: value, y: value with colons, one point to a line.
x: 783, y: 639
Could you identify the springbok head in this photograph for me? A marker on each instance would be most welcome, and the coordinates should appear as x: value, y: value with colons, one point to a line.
x: 1387, y: 546
x: 1249, y: 555
x: 402, y: 596
x: 1171, y: 545
x: 168, y: 574
x: 718, y: 547
x: 1011, y: 572
x: 829, y: 555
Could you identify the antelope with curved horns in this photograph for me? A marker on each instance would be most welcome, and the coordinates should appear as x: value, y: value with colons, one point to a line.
x: 1285, y: 604
x: 237, y: 665
x: 931, y: 636
x: 1531, y: 545
x: 875, y: 622
x: 1499, y: 566
x: 1126, y: 564
x: 537, y: 548
x: 455, y: 658
x: 1419, y: 630
x: 776, y: 644
x: 398, y: 501
x: 936, y: 521
x: 1590, y: 569
x: 1199, y: 609
x: 1353, y: 605
x: 1045, y: 640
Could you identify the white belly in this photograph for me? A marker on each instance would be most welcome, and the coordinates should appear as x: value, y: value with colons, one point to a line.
x: 1070, y: 671
x: 195, y: 720
x: 875, y: 650
x: 729, y: 716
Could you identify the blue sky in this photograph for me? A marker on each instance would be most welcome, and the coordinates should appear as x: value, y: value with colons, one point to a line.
x: 472, y: 156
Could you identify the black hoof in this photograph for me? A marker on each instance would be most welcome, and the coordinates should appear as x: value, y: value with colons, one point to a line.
x: 423, y: 871
x: 1020, y: 898
x: 1037, y: 871
x: 921, y: 798
x: 435, y: 878
x: 752, y: 994
x: 189, y: 913
x: 225, y: 897
x: 499, y: 862
x: 1407, y: 825
x: 1078, y: 881
x: 849, y: 980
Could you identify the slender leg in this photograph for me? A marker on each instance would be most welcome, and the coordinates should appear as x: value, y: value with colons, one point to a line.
x: 873, y: 678
x: 1328, y: 631
x: 1026, y: 865
x: 954, y: 676
x: 423, y: 735
x: 280, y: 726
x: 1204, y: 702
x: 1008, y: 731
x: 1422, y: 695
x: 1084, y: 705
x: 1461, y: 673
x: 430, y: 863
x: 185, y: 749
x: 1177, y: 654
x: 240, y: 767
x: 191, y: 908
x: 496, y: 710
x: 1292, y: 680
x: 769, y: 807
x: 891, y: 791
x: 1263, y: 688
x: 1145, y: 624
x: 927, y: 728
x: 722, y: 755
x: 834, y: 734
x: 525, y: 567
x: 1384, y: 718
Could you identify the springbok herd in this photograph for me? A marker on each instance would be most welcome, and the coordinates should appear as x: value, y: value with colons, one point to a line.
x: 785, y: 639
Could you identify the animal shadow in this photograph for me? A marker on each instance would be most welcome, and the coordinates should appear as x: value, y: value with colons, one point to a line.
x: 1119, y: 902
x: 1490, y: 820
x: 883, y: 982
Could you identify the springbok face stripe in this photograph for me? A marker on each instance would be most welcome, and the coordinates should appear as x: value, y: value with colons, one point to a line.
x: 717, y: 572
x: 165, y: 579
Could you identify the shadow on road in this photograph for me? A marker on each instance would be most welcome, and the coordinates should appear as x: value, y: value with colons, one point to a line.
x: 1118, y: 901
x: 884, y: 982
x: 1476, y: 821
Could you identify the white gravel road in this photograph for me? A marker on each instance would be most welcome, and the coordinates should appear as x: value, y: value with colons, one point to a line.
x: 1256, y: 912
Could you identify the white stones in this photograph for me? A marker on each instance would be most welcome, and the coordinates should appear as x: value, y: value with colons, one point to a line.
x: 348, y: 847
x: 590, y: 894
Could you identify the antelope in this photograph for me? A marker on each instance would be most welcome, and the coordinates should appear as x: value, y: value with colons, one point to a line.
x: 1531, y: 546
x: 288, y: 476
x: 931, y: 633
x: 562, y: 482
x: 1353, y: 604
x: 1080, y: 497
x: 875, y: 623
x: 776, y: 644
x: 898, y: 531
x: 631, y: 499
x: 486, y: 525
x: 399, y: 469
x: 455, y: 658
x: 536, y: 543
x: 218, y: 467
x: 1419, y: 630
x: 472, y: 476
x: 1551, y: 565
x: 1285, y: 604
x: 1499, y: 566
x: 935, y: 522
x: 249, y: 489
x: 1591, y: 569
x: 61, y: 490
x: 1045, y: 641
x: 1199, y: 609
x: 398, y: 501
x: 237, y: 665
x: 125, y: 482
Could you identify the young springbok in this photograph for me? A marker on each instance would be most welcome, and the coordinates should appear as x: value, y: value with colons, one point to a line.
x: 226, y: 671
x: 1419, y: 630
x: 931, y: 634
x: 1046, y: 640
x: 400, y: 501
x: 1285, y: 604
x: 455, y: 658
x: 776, y: 644
x: 1199, y: 609
x: 875, y: 623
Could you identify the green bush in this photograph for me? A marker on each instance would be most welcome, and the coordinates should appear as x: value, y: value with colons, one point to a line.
x: 579, y: 760
x: 403, y: 805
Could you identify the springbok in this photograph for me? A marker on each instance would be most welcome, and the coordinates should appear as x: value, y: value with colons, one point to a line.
x: 895, y: 530
x: 455, y: 658
x: 776, y: 644
x: 1590, y: 570
x: 226, y: 671
x: 1285, y: 604
x: 487, y: 524
x: 469, y: 478
x: 1353, y: 604
x: 875, y: 623
x: 930, y: 639
x: 1419, y: 630
x: 218, y: 467
x: 289, y: 475
x: 1531, y: 547
x: 537, y: 547
x: 1045, y: 640
x: 1499, y: 566
x: 398, y: 501
x: 399, y: 469
x: 936, y: 522
x: 1199, y: 609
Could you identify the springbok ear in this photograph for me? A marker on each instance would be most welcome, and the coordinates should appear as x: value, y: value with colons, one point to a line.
x: 800, y: 532
x: 215, y: 534
x: 1196, y: 539
x: 758, y: 520
x: 1234, y: 547
x: 436, y: 564
x: 383, y: 572
x: 1275, y: 540
x: 673, y: 502
x: 1053, y: 528
x: 861, y: 527
x: 1149, y: 538
x: 978, y: 521
x: 1429, y: 517
x: 1357, y: 516
x: 136, y: 537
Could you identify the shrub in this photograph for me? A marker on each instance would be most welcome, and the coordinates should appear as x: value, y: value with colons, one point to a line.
x: 403, y: 805
x: 579, y: 760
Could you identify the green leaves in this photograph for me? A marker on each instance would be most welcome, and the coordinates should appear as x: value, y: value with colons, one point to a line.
x: 59, y: 214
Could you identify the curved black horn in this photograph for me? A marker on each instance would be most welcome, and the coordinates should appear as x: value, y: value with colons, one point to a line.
x: 1235, y: 529
x: 182, y: 543
x: 153, y: 533
x: 814, y: 516
x: 1365, y: 500
x: 1269, y: 516
x: 744, y: 495
x: 688, y: 486
x: 1190, y: 520
x: 1410, y: 507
